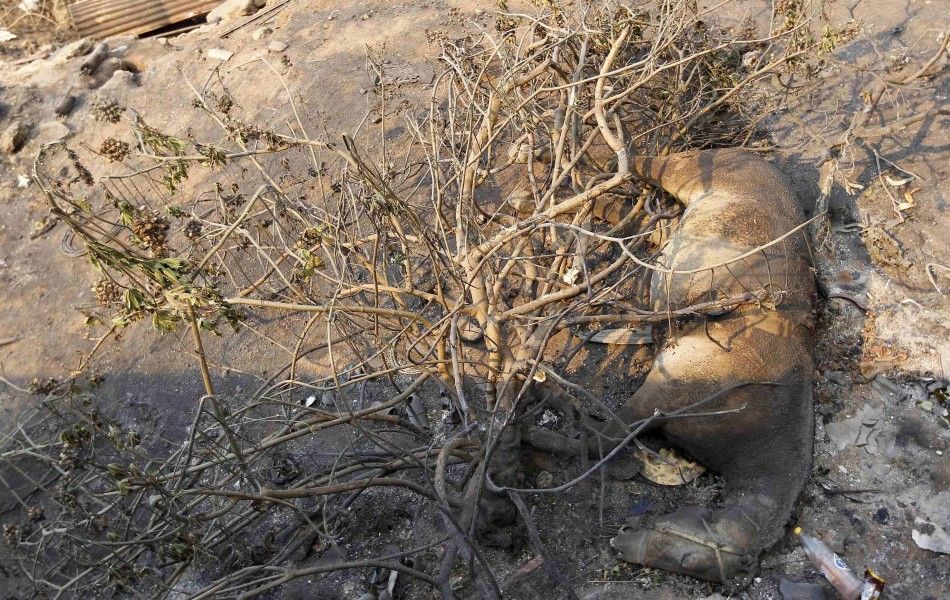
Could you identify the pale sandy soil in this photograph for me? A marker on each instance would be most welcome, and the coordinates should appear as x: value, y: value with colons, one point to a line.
x: 874, y: 363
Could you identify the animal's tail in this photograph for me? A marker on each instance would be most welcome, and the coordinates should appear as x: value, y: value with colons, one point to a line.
x: 688, y: 175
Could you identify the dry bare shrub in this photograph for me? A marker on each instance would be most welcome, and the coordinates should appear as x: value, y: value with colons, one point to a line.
x: 442, y: 266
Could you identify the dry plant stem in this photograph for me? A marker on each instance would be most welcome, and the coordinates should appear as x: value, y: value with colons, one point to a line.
x: 325, y: 309
x: 199, y: 350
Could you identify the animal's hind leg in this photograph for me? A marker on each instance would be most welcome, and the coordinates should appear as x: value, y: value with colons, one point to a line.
x: 760, y: 442
x: 715, y: 544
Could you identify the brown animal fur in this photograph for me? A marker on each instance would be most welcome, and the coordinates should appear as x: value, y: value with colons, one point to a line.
x: 735, y: 202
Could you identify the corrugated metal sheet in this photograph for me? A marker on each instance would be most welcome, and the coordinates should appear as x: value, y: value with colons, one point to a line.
x: 102, y: 18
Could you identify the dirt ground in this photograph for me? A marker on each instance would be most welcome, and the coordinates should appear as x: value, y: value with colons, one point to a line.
x: 882, y: 438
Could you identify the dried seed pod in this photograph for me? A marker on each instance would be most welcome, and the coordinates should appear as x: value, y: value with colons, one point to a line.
x: 115, y: 150
x: 11, y: 533
x: 193, y: 229
x: 106, y: 291
x: 108, y: 110
x: 151, y: 228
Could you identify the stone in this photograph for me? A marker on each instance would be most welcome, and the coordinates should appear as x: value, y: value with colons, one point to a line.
x: 52, y: 131
x: 120, y: 80
x: 882, y: 515
x: 835, y: 539
x: 276, y: 46
x: 261, y: 32
x: 12, y: 139
x: 219, y: 54
x: 233, y: 9
x: 108, y: 68
x: 79, y: 48
x: 65, y: 105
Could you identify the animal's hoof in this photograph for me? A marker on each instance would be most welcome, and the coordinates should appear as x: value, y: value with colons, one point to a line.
x: 710, y: 545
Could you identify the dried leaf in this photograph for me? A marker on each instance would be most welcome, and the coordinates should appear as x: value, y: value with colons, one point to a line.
x: 851, y: 186
x: 672, y: 470
x: 571, y: 275
x: 897, y: 182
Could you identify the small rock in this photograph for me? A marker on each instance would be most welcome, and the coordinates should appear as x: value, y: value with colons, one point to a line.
x: 65, y: 105
x: 163, y: 41
x: 52, y: 131
x: 13, y: 138
x: 261, y: 32
x: 835, y: 540
x: 276, y: 46
x: 926, y: 406
x: 328, y: 400
x: 231, y: 9
x: 120, y: 80
x: 80, y: 48
x: 366, y: 17
x: 882, y: 515
x: 23, y: 181
x: 376, y: 119
x: 219, y: 54
x: 107, y: 69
